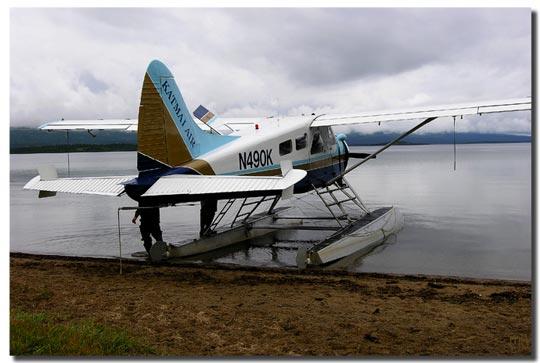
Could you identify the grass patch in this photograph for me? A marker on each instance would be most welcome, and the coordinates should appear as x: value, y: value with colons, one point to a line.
x: 39, y: 334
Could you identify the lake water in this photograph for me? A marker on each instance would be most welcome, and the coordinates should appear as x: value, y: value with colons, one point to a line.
x: 472, y: 222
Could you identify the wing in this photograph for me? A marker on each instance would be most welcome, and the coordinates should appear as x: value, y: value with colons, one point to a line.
x: 124, y: 125
x: 110, y: 124
x: 477, y: 108
x: 227, y: 186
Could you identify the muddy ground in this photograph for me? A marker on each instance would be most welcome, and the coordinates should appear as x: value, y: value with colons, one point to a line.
x: 224, y: 311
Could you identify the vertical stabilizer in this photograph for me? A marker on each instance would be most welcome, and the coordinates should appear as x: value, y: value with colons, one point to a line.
x: 167, y: 135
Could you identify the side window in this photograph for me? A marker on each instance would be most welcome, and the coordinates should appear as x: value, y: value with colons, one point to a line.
x: 301, y: 142
x: 317, y: 143
x: 285, y: 147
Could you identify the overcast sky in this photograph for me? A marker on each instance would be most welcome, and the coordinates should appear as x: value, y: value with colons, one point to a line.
x: 90, y: 63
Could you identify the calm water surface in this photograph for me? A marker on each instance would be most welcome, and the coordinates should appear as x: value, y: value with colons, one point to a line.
x: 474, y: 222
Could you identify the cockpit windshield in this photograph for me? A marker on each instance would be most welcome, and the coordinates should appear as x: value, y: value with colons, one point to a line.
x: 323, y: 139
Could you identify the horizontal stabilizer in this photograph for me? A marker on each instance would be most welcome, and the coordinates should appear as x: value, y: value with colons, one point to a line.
x: 477, y: 108
x: 228, y: 186
x: 111, y: 186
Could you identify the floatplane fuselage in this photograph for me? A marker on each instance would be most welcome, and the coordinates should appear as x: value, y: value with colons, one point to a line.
x: 258, y: 150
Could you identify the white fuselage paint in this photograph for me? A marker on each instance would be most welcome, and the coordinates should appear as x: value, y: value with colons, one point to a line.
x: 258, y: 147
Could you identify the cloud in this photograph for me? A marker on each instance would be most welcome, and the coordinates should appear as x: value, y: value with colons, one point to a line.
x: 87, y: 63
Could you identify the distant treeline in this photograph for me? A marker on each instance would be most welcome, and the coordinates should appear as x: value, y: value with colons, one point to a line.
x: 31, y: 140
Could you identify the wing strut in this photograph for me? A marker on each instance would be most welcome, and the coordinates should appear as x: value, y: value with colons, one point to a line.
x: 373, y: 155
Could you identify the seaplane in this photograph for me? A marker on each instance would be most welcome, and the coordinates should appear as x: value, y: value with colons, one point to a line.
x: 251, y: 163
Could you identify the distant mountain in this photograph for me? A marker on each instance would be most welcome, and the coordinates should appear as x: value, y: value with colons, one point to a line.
x: 28, y: 140
x: 380, y: 138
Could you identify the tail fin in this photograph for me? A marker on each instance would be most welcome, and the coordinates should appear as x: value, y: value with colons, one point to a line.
x: 167, y: 135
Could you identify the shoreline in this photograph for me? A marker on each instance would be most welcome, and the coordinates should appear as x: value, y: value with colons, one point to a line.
x: 209, y: 310
x: 280, y: 270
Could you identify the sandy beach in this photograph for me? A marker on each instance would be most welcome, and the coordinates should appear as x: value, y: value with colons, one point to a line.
x: 183, y: 310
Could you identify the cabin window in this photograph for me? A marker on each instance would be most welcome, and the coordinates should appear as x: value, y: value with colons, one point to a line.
x: 285, y: 147
x: 301, y: 142
x: 317, y: 145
